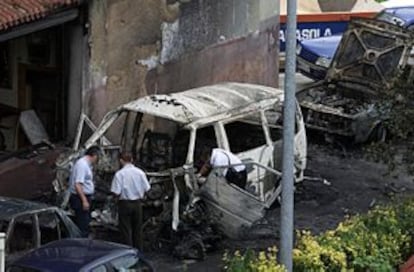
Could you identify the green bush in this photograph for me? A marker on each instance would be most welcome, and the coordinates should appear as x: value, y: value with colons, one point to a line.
x: 377, y: 241
x: 264, y: 261
x: 396, y: 108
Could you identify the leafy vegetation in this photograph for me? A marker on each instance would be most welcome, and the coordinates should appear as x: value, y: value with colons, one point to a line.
x: 264, y: 261
x: 398, y: 113
x: 377, y: 241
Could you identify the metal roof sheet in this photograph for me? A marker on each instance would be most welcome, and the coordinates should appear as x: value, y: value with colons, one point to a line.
x: 188, y: 106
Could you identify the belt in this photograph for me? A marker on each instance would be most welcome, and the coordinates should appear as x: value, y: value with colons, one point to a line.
x: 87, y: 195
x: 132, y: 201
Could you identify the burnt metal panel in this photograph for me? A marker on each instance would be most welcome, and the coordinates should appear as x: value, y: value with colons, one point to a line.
x: 372, y: 53
x: 371, y: 58
x: 203, y: 102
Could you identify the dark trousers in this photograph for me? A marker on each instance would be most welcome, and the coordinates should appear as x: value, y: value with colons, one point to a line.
x: 130, y: 222
x: 82, y: 217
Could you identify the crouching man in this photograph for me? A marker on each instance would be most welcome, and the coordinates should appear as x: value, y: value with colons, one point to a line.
x: 219, y: 158
x: 130, y: 185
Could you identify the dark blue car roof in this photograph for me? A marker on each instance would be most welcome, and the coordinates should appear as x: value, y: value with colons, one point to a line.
x: 71, y: 254
x: 326, y: 46
x: 405, y: 13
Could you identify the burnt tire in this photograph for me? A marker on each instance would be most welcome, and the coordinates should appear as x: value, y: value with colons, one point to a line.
x: 190, y: 247
x: 378, y: 134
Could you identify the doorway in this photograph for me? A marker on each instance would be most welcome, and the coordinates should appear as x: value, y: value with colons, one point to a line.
x: 42, y: 90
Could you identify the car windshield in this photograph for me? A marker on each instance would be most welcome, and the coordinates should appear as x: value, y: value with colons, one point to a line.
x: 156, y: 143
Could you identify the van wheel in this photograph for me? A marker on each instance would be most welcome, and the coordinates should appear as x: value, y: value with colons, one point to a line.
x: 190, y: 247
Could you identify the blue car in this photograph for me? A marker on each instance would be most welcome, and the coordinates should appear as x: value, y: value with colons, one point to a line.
x: 82, y: 255
x: 314, y: 56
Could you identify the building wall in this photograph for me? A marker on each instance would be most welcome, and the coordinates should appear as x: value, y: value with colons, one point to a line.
x: 134, y: 44
x: 204, y: 23
x: 121, y: 31
x: 234, y: 60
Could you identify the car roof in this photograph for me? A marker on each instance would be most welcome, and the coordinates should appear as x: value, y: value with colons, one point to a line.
x: 406, y: 13
x: 203, y: 102
x: 71, y: 254
x: 326, y: 46
x: 323, y: 46
x: 10, y: 207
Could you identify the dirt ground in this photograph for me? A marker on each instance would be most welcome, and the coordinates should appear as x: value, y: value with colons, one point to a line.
x: 353, y: 185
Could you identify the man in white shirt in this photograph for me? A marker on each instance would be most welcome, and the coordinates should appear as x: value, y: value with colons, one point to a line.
x: 219, y: 157
x: 130, y: 185
x: 82, y: 188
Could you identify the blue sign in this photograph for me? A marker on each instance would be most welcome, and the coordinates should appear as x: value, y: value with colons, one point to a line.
x: 312, y: 30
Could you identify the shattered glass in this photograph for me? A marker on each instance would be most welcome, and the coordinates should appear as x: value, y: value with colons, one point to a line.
x: 351, y: 54
x: 389, y: 59
x: 376, y: 41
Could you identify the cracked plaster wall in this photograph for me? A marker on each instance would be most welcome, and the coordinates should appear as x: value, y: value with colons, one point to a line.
x: 121, y: 31
x: 206, y: 22
x: 131, y: 40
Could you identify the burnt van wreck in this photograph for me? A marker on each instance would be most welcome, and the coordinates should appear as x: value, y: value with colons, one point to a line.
x: 167, y: 134
x: 370, y: 60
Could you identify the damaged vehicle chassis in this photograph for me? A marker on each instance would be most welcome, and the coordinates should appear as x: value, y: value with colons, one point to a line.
x: 167, y: 134
x: 369, y: 61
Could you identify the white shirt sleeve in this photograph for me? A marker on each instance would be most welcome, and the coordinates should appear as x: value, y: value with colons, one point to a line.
x: 79, y: 173
x: 219, y: 158
x: 147, y: 186
x: 213, y: 159
x: 116, y: 186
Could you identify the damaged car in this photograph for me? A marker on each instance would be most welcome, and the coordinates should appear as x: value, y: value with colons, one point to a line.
x: 29, y: 225
x: 369, y: 61
x: 82, y: 255
x: 314, y: 56
x: 167, y: 134
x: 26, y: 171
